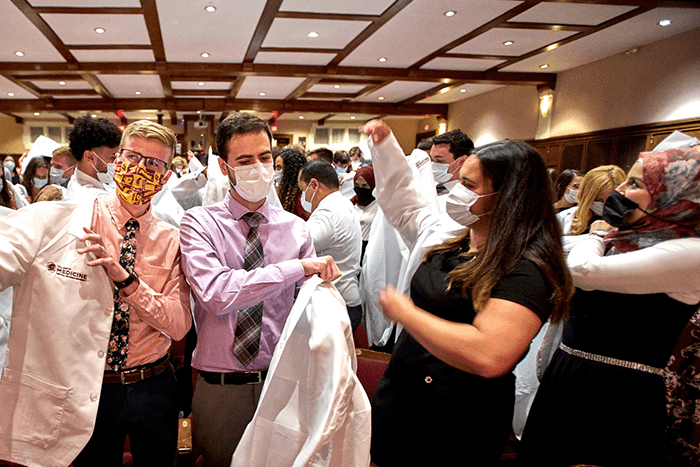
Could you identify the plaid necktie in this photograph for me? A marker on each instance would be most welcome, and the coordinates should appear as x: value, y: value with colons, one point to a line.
x: 119, y: 338
x: 246, y: 344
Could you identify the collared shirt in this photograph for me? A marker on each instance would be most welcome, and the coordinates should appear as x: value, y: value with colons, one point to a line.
x: 336, y: 232
x: 82, y: 184
x: 159, y: 308
x: 213, y: 248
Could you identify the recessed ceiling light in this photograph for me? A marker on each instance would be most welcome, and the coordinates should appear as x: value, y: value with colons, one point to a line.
x: 62, y: 83
x: 205, y: 54
x: 19, y: 53
x: 381, y: 98
x: 462, y: 90
x: 262, y: 93
x: 199, y: 111
x: 507, y: 43
x: 36, y: 114
x: 11, y: 94
x: 301, y: 117
x: 138, y: 93
x: 337, y: 86
x: 210, y: 8
x: 312, y: 34
x: 201, y: 83
x: 94, y: 115
x: 382, y: 59
x: 100, y: 30
x: 352, y: 117
x: 450, y: 13
x: 544, y: 65
x: 444, y: 90
x: 664, y: 22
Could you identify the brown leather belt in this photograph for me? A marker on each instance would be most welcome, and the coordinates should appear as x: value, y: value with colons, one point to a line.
x: 236, y: 377
x: 139, y: 373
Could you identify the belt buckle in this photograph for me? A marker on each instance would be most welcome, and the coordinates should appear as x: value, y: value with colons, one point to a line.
x: 258, y: 374
x: 124, y: 381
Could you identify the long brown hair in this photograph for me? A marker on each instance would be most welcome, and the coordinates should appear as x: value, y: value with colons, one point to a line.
x: 288, y: 190
x: 522, y: 225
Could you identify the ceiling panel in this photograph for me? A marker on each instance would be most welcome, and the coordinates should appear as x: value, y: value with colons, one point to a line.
x: 17, y: 33
x: 85, y: 3
x: 80, y: 29
x: 188, y: 30
x: 292, y: 32
x: 397, y: 91
x: 206, y: 85
x: 68, y: 84
x: 470, y: 64
x: 126, y: 86
x: 114, y: 55
x: 274, y: 88
x: 421, y: 28
x: 459, y: 93
x: 367, y: 7
x: 341, y: 88
x: 7, y: 87
x: 524, y: 41
x: 638, y: 31
x: 308, y: 116
x: 294, y: 58
x: 571, y: 13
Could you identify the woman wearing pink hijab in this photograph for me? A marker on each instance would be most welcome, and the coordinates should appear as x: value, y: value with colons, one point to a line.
x: 602, y: 398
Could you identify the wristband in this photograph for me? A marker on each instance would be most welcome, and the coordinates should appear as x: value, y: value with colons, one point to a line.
x: 126, y: 282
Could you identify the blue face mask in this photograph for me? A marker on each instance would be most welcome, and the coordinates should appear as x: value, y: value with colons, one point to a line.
x: 341, y: 171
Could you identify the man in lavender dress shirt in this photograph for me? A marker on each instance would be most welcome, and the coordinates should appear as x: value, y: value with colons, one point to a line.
x: 213, y: 241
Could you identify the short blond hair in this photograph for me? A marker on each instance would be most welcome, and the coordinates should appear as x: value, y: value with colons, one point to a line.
x: 149, y: 129
x: 65, y: 152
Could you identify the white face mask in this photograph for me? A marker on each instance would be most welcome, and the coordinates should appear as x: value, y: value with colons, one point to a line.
x: 57, y: 176
x: 2, y: 184
x: 459, y: 201
x: 597, y: 208
x: 277, y: 177
x: 570, y: 197
x: 253, y: 181
x: 104, y: 178
x: 440, y: 172
x: 355, y: 165
x: 40, y: 182
x: 307, y: 205
x: 10, y: 165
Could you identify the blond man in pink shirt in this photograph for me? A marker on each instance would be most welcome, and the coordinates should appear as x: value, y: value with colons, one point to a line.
x: 99, y: 296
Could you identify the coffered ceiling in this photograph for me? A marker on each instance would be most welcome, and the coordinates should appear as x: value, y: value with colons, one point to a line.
x: 316, y: 59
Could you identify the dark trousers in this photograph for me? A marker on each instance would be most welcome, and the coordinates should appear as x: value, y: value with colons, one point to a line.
x: 355, y: 313
x: 147, y: 411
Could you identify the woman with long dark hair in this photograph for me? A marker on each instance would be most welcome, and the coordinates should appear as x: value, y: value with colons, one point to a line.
x: 7, y: 196
x: 36, y: 177
x: 288, y: 187
x: 637, y: 275
x: 566, y: 187
x: 476, y: 302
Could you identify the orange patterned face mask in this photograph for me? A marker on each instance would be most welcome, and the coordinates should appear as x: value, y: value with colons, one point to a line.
x: 135, y: 184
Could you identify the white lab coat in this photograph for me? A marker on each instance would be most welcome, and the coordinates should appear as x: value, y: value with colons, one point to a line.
x: 387, y: 255
x: 62, y: 316
x: 5, y: 309
x: 313, y: 410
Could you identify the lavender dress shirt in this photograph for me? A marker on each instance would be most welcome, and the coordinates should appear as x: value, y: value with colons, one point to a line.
x: 213, y: 243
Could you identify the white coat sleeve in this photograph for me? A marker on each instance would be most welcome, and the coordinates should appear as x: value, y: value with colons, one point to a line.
x: 671, y: 267
x: 397, y: 192
x: 22, y: 234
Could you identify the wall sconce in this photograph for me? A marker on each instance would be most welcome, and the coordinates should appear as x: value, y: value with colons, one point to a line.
x: 546, y: 100
x: 442, y: 126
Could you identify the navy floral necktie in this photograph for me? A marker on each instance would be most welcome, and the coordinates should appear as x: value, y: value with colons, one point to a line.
x: 119, y: 338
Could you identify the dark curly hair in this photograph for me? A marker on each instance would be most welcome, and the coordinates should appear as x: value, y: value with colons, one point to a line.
x: 88, y: 133
x: 288, y: 189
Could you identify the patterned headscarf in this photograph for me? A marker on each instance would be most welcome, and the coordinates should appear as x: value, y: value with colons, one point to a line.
x: 672, y: 178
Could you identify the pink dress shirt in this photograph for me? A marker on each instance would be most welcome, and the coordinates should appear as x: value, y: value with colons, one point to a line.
x: 160, y: 306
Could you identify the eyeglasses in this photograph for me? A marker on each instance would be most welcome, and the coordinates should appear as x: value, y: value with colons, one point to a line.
x: 134, y: 158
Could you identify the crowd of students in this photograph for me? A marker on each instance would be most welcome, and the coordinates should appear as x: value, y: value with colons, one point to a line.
x: 482, y: 275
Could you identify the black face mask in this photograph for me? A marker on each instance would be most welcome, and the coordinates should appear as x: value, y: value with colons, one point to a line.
x: 364, y: 195
x: 616, y: 207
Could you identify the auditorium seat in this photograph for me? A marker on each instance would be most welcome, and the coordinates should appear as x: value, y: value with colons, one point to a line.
x: 370, y: 368
x: 360, y: 337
